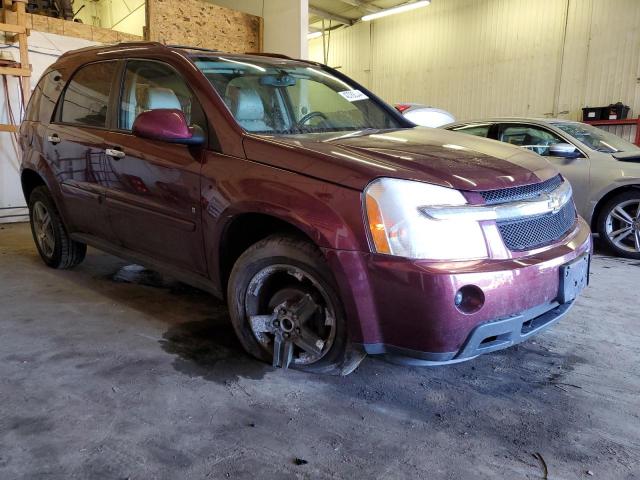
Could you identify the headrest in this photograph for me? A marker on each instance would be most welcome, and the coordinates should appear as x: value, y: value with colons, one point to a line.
x: 249, y: 106
x: 158, y: 97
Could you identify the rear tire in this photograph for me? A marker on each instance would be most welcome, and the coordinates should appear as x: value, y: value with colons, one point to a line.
x: 619, y: 224
x: 52, y: 240
x: 285, y: 308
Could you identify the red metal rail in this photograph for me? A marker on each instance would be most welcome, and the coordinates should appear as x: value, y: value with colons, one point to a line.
x: 628, y: 121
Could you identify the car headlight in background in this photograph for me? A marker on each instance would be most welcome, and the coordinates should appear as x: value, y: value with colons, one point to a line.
x: 399, y: 227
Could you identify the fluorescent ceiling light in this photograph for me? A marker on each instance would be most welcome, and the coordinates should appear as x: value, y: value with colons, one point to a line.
x: 399, y: 9
x: 313, y: 35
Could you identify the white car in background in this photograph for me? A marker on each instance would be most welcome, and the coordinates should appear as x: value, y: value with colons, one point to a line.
x: 604, y: 170
x: 425, y: 116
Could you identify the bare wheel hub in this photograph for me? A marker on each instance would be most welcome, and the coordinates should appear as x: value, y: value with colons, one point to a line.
x: 298, y: 325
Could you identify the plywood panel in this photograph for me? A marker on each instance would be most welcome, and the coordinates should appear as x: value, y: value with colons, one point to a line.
x: 202, y: 24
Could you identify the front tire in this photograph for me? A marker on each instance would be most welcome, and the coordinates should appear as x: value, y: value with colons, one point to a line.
x: 619, y: 224
x: 54, y: 245
x: 285, y: 308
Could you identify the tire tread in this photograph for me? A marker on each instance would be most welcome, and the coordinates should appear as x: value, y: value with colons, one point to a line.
x: 68, y: 253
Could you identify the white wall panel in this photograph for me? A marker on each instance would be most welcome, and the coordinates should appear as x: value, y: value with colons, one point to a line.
x: 479, y: 58
x: 44, y: 49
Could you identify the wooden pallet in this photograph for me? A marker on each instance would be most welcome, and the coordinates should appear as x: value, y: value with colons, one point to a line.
x: 20, y: 68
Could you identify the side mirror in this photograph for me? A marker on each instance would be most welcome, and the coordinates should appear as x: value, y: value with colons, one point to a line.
x: 564, y: 150
x: 167, y: 125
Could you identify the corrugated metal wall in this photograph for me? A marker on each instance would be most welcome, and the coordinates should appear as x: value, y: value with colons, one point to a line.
x: 349, y: 50
x: 479, y: 58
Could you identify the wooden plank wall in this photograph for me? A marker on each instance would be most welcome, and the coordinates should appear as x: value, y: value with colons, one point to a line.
x: 42, y: 23
x: 201, y: 24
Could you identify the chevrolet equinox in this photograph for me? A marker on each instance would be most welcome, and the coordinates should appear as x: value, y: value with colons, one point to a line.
x: 333, y: 226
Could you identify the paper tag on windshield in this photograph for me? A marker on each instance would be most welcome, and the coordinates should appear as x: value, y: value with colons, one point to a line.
x: 353, y: 95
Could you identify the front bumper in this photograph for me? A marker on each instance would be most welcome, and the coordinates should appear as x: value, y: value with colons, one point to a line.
x: 405, y: 309
x: 485, y: 338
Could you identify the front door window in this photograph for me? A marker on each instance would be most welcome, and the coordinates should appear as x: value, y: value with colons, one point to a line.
x: 532, y: 138
x: 153, y: 85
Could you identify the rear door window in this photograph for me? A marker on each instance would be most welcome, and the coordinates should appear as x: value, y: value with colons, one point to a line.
x: 86, y: 98
x: 477, y: 130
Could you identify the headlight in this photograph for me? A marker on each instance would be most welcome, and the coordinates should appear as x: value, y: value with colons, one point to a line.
x: 398, y: 227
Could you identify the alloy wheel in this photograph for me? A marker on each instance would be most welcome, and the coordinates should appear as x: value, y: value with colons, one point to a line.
x: 622, y: 226
x: 290, y: 315
x: 43, y: 229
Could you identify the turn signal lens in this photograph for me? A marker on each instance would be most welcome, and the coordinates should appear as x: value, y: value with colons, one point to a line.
x: 376, y: 226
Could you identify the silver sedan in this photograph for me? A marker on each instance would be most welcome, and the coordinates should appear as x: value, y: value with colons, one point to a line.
x: 603, y: 169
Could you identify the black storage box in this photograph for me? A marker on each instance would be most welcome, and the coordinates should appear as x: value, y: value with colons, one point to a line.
x: 591, y: 113
x: 615, y: 111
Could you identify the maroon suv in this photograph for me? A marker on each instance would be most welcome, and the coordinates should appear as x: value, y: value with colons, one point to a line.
x: 332, y: 225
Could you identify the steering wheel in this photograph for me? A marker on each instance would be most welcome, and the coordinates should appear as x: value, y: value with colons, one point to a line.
x: 309, y: 116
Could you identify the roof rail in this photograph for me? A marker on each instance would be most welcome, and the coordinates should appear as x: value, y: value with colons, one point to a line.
x: 267, y: 54
x: 187, y: 47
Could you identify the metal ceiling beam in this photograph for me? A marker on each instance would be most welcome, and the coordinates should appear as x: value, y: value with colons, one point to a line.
x: 362, y: 4
x: 330, y: 16
x: 326, y: 30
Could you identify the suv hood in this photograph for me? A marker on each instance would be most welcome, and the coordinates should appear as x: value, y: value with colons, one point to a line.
x: 429, y: 155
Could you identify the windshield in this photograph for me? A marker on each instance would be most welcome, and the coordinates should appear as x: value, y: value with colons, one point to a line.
x: 596, y: 138
x: 291, y: 98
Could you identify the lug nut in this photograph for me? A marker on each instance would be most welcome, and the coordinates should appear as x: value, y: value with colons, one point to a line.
x: 276, y: 323
x: 297, y: 329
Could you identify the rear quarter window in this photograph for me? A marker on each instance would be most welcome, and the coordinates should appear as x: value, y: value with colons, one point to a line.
x: 44, y: 97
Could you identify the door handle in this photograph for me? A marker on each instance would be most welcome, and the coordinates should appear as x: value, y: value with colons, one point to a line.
x: 115, y: 153
x: 55, y: 139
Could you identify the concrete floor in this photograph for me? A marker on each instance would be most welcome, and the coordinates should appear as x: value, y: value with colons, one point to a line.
x: 100, y: 378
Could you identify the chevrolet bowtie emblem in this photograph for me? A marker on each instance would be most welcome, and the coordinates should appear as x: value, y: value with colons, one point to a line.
x: 554, y: 203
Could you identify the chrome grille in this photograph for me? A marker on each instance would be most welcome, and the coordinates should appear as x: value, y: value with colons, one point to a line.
x: 534, y: 232
x: 524, y: 192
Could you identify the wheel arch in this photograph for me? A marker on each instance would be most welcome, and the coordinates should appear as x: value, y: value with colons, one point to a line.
x: 30, y: 179
x: 605, y: 198
x: 248, y: 228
